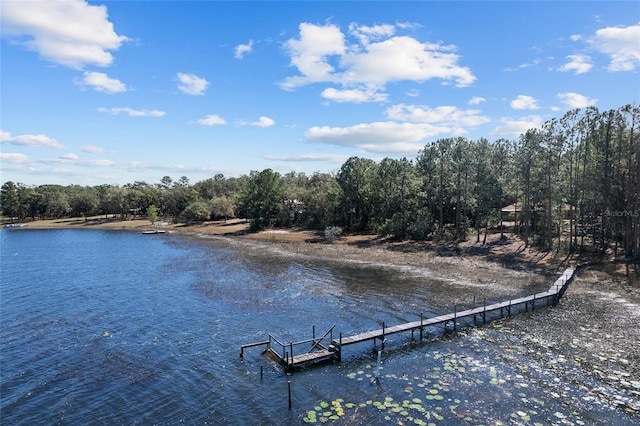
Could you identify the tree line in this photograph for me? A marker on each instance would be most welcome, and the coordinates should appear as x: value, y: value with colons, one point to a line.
x: 571, y: 185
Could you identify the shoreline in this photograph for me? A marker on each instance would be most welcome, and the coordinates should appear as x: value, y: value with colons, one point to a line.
x: 508, y: 253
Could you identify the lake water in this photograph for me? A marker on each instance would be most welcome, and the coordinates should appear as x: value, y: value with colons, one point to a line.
x: 103, y: 327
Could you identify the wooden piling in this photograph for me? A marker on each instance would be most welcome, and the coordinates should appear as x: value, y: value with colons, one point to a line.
x: 455, y: 313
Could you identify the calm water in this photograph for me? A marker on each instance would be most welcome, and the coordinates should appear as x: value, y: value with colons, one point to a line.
x: 121, y: 328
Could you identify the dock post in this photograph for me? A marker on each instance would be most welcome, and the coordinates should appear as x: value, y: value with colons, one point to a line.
x: 291, y: 352
x: 420, y: 325
x: 289, y: 386
x: 313, y: 336
x: 378, y: 365
x: 533, y: 303
x: 484, y: 311
x: 382, y: 335
x: 340, y: 348
x: 455, y: 314
x: 509, y: 308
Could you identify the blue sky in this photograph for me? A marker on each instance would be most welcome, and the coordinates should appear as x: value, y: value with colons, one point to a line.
x: 121, y: 91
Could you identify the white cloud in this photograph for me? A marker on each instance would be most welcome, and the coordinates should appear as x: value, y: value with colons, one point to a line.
x: 211, y: 120
x: 333, y: 158
x: 621, y: 44
x: 404, y: 58
x: 264, y: 122
x: 354, y: 95
x: 241, y: 49
x: 101, y: 82
x: 476, y: 100
x: 575, y: 100
x: 535, y: 62
x: 133, y: 112
x: 92, y: 149
x: 191, y: 84
x: 29, y: 140
x: 377, y: 137
x: 68, y: 32
x: 14, y: 158
x: 72, y: 159
x: 99, y: 163
x: 579, y: 64
x: 365, y: 34
x: 322, y: 54
x: 69, y: 157
x: 515, y: 127
x: 414, y: 93
x: 309, y: 53
x: 524, y: 102
x: 449, y: 116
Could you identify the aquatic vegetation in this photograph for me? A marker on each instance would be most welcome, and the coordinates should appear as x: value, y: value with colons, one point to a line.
x: 525, y: 369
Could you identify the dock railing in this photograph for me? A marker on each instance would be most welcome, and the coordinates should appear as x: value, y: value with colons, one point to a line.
x: 293, y: 353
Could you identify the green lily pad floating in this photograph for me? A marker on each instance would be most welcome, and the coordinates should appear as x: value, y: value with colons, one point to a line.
x: 324, y: 404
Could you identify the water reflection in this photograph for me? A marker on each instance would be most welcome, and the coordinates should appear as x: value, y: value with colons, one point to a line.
x: 116, y: 328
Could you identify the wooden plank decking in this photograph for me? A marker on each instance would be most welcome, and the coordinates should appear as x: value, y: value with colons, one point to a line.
x: 554, y: 292
x: 320, y: 353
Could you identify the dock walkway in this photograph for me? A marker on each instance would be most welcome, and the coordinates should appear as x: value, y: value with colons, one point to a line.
x: 331, y: 350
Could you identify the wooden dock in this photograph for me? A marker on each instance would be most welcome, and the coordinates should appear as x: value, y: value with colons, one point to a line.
x: 296, y: 354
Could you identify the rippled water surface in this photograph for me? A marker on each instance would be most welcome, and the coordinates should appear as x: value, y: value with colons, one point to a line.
x: 119, y: 328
